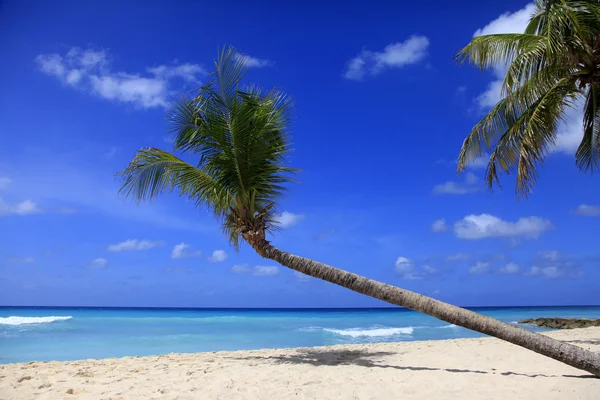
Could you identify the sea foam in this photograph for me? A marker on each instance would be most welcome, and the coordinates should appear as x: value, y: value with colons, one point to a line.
x: 448, y: 326
x: 16, y: 320
x: 376, y: 332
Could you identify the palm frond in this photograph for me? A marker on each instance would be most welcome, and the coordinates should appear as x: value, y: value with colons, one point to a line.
x: 154, y: 171
x: 588, y: 153
x: 526, y: 143
x: 489, y: 51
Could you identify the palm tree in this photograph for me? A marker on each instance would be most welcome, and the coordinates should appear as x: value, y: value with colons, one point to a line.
x: 551, y: 67
x: 240, y: 139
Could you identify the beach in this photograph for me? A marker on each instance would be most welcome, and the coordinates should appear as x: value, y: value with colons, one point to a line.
x: 484, y: 368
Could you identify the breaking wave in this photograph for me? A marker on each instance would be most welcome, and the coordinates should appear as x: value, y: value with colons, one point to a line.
x: 30, y: 320
x: 448, y: 326
x: 376, y: 332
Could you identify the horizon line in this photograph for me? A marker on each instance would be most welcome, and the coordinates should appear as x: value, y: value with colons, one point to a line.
x: 284, y: 308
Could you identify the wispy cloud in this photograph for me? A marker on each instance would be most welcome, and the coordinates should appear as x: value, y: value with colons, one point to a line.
x: 86, y: 189
x: 218, y: 256
x: 91, y: 71
x: 552, y: 264
x: 480, y: 267
x: 394, y: 55
x: 265, y: 270
x: 135, y: 244
x: 111, y: 153
x: 4, y: 182
x: 408, y: 270
x: 240, y: 269
x: 259, y: 270
x: 254, y: 62
x: 439, y: 226
x: 25, y: 207
x: 287, y: 219
x: 300, y: 277
x: 587, y: 210
x: 98, y: 263
x: 22, y: 260
x: 457, y: 257
x: 510, y: 268
x: 182, y: 250
x: 470, y: 184
x: 474, y: 227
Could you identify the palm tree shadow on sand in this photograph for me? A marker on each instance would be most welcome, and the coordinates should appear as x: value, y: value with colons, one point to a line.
x: 373, y: 359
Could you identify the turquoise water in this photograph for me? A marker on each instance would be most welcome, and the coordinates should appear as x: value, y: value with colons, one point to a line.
x: 45, y: 334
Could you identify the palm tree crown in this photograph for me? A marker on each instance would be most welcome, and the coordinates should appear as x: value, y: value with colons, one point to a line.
x: 552, y: 66
x: 240, y: 137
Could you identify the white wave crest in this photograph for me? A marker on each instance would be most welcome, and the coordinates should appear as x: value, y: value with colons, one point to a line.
x: 371, y: 332
x: 30, y: 320
x: 448, y: 326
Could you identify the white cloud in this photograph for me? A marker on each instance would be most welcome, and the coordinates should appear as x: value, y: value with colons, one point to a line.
x: 587, y: 210
x: 253, y: 62
x: 145, y: 92
x: 458, y: 257
x: 259, y: 270
x: 552, y: 264
x: 240, y: 269
x: 570, y: 130
x: 263, y: 270
x: 188, y: 72
x: 22, y: 260
x: 479, y: 268
x: 4, y: 182
x: 90, y: 71
x: 439, y: 226
x: 111, y: 153
x: 287, y: 219
x: 135, y: 244
x: 429, y: 269
x: 406, y: 268
x: 66, y: 210
x: 394, y: 55
x: 515, y: 22
x: 300, y: 277
x: 99, y: 263
x: 482, y: 226
x: 479, y: 162
x: 510, y: 268
x: 181, y: 250
x: 25, y: 207
x: 403, y: 265
x: 470, y: 184
x: 218, y: 256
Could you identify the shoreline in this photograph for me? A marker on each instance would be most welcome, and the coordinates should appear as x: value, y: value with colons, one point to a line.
x: 434, y: 369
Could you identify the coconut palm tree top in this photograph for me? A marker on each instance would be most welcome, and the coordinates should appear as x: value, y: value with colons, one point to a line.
x: 551, y: 67
x: 240, y: 137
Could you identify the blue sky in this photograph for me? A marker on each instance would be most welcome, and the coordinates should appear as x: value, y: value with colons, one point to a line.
x: 381, y: 111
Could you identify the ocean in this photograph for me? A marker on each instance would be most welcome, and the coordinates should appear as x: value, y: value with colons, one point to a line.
x: 68, y: 333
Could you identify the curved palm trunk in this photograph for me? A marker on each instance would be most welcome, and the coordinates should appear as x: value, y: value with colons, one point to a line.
x: 564, y: 352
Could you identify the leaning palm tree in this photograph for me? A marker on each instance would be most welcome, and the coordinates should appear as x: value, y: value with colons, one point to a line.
x: 239, y: 136
x: 552, y: 67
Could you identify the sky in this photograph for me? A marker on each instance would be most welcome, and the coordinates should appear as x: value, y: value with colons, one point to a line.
x: 381, y: 109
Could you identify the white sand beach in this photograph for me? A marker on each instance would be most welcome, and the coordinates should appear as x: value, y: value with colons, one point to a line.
x: 451, y: 369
